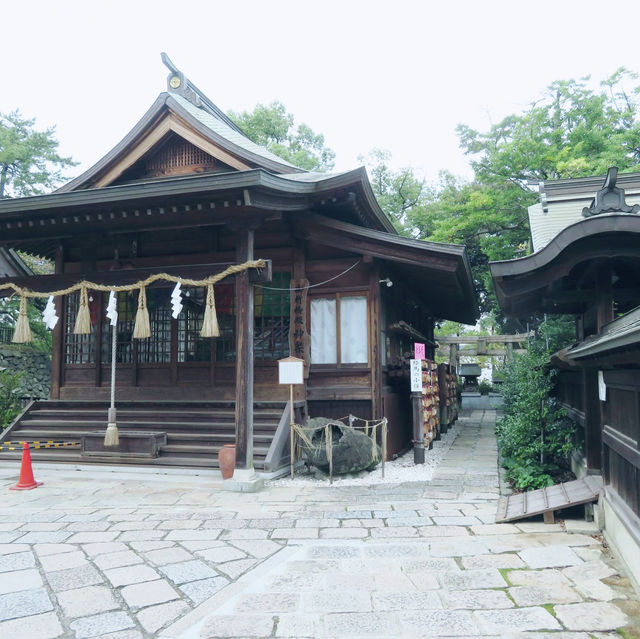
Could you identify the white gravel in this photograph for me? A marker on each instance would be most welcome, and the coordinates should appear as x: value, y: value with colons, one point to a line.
x: 398, y: 471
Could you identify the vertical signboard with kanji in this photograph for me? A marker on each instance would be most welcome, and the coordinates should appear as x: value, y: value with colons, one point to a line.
x: 299, y: 342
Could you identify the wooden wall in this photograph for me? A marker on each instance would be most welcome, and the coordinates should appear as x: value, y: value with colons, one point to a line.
x: 621, y: 439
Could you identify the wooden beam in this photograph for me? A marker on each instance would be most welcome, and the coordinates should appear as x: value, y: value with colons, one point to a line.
x: 489, y: 339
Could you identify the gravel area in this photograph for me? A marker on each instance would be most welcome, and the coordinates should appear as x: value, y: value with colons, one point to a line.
x: 398, y: 471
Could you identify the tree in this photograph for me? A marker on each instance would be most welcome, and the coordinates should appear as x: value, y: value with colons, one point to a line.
x: 400, y: 193
x: 272, y: 127
x: 572, y: 130
x: 29, y: 162
x: 534, y: 438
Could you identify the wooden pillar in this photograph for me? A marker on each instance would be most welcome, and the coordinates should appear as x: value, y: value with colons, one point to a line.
x: 418, y: 428
x: 244, y: 353
x: 592, y: 427
x: 604, y: 310
x: 57, y: 354
x: 453, y: 356
x: 374, y: 339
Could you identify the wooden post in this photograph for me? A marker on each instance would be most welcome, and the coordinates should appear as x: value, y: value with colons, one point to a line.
x: 57, y: 354
x: 244, y: 354
x: 292, y: 435
x: 592, y: 426
x: 418, y: 428
x: 604, y: 310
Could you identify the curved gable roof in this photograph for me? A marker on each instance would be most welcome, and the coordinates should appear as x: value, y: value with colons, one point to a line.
x: 201, y: 125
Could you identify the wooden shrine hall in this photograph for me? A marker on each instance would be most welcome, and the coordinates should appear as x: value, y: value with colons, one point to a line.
x: 587, y: 264
x: 188, y: 194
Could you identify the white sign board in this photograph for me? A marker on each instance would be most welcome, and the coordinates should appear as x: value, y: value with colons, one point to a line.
x: 602, y: 387
x: 291, y: 372
x: 415, y: 369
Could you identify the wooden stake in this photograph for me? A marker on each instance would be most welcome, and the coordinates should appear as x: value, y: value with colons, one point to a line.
x: 291, y: 429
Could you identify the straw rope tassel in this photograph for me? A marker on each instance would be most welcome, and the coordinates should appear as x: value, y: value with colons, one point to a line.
x: 22, y: 332
x: 142, y: 327
x: 210, y: 321
x: 83, y: 319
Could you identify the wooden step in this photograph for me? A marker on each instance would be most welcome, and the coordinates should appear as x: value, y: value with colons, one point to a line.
x: 195, y: 430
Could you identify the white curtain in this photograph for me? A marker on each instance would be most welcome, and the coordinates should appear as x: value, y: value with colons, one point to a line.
x: 353, y: 330
x: 323, y: 331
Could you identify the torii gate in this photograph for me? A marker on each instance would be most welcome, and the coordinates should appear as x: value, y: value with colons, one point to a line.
x: 488, y: 345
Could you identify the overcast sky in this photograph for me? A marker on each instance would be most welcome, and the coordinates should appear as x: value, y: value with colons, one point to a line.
x: 393, y: 74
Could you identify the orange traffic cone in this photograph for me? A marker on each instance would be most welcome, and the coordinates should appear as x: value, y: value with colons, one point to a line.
x: 26, y: 481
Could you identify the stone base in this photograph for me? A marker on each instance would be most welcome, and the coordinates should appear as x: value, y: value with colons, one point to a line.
x: 244, y: 480
x: 618, y: 536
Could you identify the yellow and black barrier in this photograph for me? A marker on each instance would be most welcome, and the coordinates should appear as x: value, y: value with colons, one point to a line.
x: 36, y: 444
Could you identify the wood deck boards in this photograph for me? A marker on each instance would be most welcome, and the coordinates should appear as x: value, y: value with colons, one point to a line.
x: 549, y: 499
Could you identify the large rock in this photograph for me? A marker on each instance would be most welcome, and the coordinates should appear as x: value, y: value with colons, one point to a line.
x: 352, y: 450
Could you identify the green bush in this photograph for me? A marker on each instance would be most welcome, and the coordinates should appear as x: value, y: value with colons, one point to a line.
x: 534, y: 437
x: 485, y: 387
x: 10, y: 402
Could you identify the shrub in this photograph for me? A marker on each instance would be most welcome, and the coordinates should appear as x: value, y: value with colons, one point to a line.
x: 534, y: 437
x: 484, y: 387
x: 10, y: 403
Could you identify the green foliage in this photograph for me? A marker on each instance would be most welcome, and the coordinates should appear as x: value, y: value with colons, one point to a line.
x: 534, y: 438
x: 571, y: 130
x: 485, y: 387
x: 42, y: 336
x: 29, y: 162
x: 10, y: 405
x: 272, y: 127
x: 400, y: 193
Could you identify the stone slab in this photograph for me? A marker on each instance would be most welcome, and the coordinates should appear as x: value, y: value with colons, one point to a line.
x: 45, y: 626
x: 591, y: 616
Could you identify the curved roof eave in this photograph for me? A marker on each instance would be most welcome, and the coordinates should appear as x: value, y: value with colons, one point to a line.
x: 354, y: 177
x: 601, y: 224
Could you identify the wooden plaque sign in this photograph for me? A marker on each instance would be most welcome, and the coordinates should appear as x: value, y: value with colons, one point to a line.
x: 415, y: 369
x: 291, y: 370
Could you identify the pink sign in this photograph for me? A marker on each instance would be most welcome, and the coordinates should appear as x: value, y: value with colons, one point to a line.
x: 419, y: 351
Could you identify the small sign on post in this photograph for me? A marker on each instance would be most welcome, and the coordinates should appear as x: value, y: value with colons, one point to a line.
x: 419, y: 350
x: 291, y: 371
x: 415, y: 369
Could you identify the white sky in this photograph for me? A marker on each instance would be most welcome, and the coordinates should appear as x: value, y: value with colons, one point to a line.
x: 395, y: 74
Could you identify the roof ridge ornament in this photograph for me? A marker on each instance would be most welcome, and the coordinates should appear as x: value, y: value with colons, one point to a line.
x: 178, y: 83
x: 610, y: 198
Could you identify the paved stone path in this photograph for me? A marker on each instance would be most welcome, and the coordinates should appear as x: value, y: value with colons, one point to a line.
x: 124, y: 556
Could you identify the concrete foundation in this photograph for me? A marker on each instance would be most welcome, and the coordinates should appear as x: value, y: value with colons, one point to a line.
x: 474, y: 401
x: 625, y: 545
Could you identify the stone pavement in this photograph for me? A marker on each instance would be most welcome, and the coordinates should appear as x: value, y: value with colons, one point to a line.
x: 129, y: 556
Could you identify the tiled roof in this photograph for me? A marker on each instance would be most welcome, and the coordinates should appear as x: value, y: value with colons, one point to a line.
x: 224, y: 130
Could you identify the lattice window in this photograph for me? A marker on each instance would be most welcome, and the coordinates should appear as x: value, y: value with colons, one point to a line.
x: 225, y: 306
x: 157, y: 348
x: 127, y: 305
x: 178, y: 154
x: 192, y: 347
x: 272, y: 317
x: 153, y: 350
x: 80, y: 349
